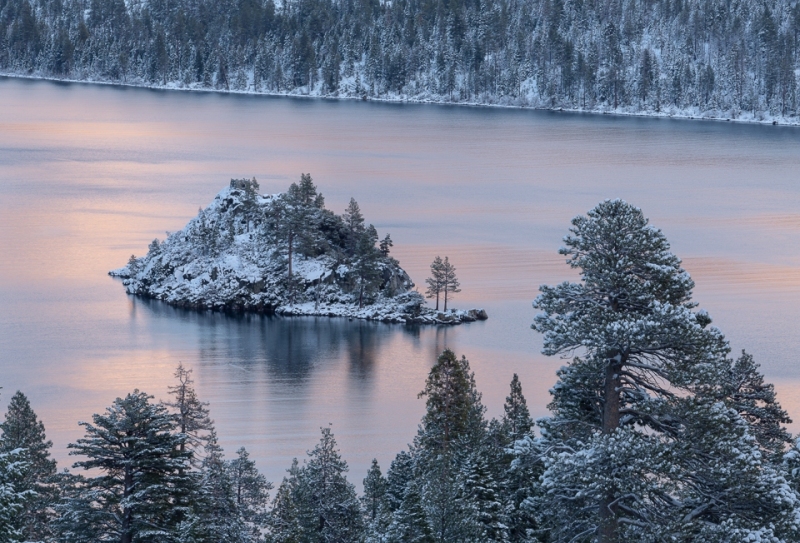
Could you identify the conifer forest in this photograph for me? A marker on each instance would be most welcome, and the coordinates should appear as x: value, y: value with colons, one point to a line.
x: 726, y: 59
x: 657, y: 432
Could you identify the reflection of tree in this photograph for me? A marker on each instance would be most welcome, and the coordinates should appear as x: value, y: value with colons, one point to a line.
x: 288, y: 348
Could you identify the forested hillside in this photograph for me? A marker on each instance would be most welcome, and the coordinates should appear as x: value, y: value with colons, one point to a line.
x: 717, y: 58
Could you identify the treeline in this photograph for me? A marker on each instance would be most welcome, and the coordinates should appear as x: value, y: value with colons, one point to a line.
x: 655, y: 434
x: 724, y: 58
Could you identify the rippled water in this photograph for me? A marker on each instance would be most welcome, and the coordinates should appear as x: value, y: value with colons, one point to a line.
x: 91, y: 174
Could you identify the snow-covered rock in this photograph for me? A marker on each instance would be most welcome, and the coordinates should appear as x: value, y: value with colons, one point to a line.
x: 234, y: 256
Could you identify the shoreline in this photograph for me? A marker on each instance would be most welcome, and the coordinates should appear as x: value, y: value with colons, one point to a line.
x: 676, y: 114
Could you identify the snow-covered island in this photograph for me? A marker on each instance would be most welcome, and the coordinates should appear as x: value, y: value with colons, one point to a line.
x: 283, y: 254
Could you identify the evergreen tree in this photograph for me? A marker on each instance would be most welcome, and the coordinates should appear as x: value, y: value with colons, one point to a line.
x: 365, y: 266
x: 22, y: 430
x: 316, y: 503
x: 191, y: 414
x: 138, y: 453
x: 354, y: 222
x: 449, y: 281
x: 375, y: 505
x: 374, y: 492
x: 410, y: 524
x: 436, y: 281
x: 400, y: 474
x: 621, y: 456
x: 283, y: 523
x: 517, y: 421
x: 250, y: 487
x: 451, y: 430
x: 386, y: 245
x: 13, y: 500
x: 215, y: 515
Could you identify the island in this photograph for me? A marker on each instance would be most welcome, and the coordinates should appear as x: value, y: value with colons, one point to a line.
x: 283, y: 254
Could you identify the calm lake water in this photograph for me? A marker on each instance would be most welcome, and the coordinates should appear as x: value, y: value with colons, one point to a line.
x: 91, y: 174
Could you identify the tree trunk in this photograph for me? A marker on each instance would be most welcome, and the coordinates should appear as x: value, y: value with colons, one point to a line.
x: 127, y: 514
x: 445, y: 297
x: 608, y: 511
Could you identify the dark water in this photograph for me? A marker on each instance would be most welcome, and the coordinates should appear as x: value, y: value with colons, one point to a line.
x: 91, y: 174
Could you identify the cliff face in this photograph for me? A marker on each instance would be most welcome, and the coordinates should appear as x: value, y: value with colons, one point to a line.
x: 282, y: 254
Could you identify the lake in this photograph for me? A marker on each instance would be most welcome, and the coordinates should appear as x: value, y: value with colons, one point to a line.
x: 91, y: 174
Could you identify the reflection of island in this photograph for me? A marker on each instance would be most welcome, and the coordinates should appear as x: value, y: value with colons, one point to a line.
x: 282, y: 254
x: 288, y: 348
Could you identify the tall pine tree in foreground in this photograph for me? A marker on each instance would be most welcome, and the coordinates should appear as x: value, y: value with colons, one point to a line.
x: 141, y: 472
x: 649, y: 438
x: 21, y: 429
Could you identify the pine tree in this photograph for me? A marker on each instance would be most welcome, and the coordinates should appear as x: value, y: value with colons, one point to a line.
x: 316, y: 502
x: 22, y: 430
x: 214, y: 515
x: 192, y: 415
x: 354, y: 222
x: 13, y: 500
x: 250, y: 487
x: 400, y: 474
x: 517, y: 421
x: 521, y: 471
x: 410, y: 524
x: 138, y: 452
x: 449, y: 281
x: 283, y: 523
x: 436, y: 281
x: 375, y: 505
x: 452, y: 427
x: 622, y: 459
x: 374, y: 492
x: 365, y: 266
x: 386, y: 245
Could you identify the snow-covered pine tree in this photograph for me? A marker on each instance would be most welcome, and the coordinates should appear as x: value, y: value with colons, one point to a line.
x: 283, y: 523
x: 214, y: 515
x: 400, y: 474
x: 623, y: 448
x: 136, y: 449
x: 375, y: 505
x: 745, y: 391
x: 410, y: 522
x: 192, y: 415
x: 251, y: 489
x: 12, y: 500
x: 21, y: 429
x: 516, y: 421
x: 374, y: 496
x: 316, y: 503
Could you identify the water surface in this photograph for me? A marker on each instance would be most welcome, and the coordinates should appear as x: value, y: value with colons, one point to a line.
x: 91, y: 174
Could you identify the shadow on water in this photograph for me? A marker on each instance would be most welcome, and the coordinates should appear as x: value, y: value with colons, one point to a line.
x: 288, y: 348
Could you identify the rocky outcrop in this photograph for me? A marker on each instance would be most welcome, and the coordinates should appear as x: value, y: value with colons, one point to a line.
x: 283, y: 254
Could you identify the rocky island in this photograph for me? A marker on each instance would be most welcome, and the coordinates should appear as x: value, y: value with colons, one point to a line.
x: 282, y: 254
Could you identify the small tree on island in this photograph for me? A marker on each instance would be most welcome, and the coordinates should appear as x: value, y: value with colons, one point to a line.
x: 443, y: 281
x: 450, y: 284
x: 434, y: 282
